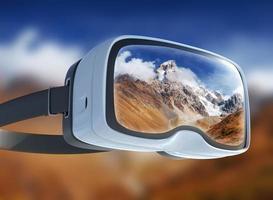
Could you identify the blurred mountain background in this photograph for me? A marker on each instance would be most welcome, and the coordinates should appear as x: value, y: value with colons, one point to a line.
x: 40, y: 40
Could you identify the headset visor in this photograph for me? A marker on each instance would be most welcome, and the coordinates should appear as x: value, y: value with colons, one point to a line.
x: 159, y: 89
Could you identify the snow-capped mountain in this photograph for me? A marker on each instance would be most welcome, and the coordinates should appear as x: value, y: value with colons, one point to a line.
x: 165, y: 69
x: 175, y: 97
x: 179, y: 92
x: 173, y: 82
x: 232, y: 104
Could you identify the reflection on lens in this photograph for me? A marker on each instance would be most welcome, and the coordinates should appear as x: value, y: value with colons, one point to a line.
x: 157, y: 89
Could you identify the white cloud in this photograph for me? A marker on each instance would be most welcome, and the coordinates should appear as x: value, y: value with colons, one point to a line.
x: 143, y: 70
x: 28, y: 55
x: 185, y: 76
x: 239, y: 90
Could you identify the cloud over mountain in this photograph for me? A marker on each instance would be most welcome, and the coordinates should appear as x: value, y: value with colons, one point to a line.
x: 147, y: 70
x: 172, y: 72
x: 143, y: 70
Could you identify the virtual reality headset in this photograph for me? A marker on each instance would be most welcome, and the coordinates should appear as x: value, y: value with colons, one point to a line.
x: 140, y: 94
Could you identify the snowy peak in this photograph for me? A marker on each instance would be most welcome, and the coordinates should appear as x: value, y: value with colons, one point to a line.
x: 234, y: 103
x: 165, y: 68
x: 204, y: 101
x: 168, y: 65
x: 178, y: 93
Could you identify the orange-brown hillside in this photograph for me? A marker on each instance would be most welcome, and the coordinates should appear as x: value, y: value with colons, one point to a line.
x: 230, y: 129
x: 207, y: 122
x: 138, y: 107
x: 128, y: 175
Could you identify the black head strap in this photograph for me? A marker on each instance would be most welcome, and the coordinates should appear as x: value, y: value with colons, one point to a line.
x: 42, y: 103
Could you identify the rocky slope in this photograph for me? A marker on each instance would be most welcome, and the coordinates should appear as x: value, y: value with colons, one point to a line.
x: 144, y: 106
x: 228, y: 130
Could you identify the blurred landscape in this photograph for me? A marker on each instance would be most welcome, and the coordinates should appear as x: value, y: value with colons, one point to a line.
x: 39, y: 40
x: 127, y: 175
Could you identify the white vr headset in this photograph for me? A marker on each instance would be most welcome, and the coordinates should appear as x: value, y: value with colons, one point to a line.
x: 140, y: 94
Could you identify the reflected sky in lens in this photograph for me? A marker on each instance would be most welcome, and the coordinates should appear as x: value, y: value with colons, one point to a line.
x: 216, y: 74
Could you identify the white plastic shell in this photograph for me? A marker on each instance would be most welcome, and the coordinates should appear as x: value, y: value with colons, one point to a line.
x: 90, y: 125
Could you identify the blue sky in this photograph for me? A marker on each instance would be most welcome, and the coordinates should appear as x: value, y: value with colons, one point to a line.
x: 240, y: 30
x: 212, y: 73
x: 182, y: 58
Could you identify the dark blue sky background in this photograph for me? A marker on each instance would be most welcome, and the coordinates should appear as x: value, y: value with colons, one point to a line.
x: 240, y: 30
x: 87, y: 22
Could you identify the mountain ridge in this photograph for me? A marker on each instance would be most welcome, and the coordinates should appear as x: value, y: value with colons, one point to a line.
x: 162, y: 103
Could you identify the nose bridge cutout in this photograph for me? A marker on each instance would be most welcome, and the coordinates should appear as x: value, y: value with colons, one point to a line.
x: 191, y: 143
